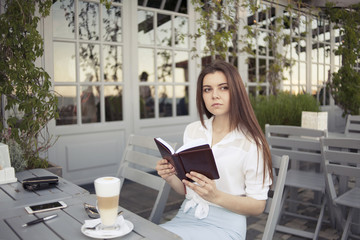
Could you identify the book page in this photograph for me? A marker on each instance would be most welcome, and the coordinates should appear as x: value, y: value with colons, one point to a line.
x: 195, y: 143
x: 166, y: 145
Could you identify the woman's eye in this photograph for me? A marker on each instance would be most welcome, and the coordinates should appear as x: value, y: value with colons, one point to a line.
x: 206, y: 89
x: 224, y: 88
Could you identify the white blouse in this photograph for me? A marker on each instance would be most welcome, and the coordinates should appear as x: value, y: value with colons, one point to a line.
x: 239, y: 165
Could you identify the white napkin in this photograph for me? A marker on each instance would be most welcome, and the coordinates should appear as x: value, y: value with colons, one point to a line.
x: 124, y: 228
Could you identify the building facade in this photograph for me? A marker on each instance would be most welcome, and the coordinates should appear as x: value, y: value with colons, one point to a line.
x: 131, y: 69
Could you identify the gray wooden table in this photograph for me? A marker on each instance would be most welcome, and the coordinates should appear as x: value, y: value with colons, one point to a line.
x: 13, y: 199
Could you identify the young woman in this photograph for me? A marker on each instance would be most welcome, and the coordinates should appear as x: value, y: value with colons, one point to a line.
x: 217, y: 209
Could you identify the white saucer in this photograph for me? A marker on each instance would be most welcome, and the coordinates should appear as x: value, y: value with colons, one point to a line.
x: 109, y: 234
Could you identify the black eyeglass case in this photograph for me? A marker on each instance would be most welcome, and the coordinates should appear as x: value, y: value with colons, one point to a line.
x: 39, y: 183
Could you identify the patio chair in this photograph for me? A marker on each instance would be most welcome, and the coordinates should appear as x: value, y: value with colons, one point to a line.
x: 273, y: 204
x: 138, y: 165
x: 342, y: 170
x: 302, y: 145
x: 352, y: 127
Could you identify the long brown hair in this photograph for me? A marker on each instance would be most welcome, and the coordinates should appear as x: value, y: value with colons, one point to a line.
x: 242, y: 116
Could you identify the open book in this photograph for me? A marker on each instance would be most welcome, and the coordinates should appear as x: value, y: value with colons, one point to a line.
x: 196, y: 156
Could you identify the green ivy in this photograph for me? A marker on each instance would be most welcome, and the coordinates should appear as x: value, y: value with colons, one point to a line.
x: 30, y: 103
x: 345, y: 84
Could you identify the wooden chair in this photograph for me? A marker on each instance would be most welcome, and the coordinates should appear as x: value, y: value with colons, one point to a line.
x: 342, y: 171
x: 352, y: 127
x: 273, y: 205
x: 139, y: 160
x: 302, y: 145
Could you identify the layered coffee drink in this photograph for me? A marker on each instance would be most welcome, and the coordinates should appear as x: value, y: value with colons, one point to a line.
x: 107, y: 193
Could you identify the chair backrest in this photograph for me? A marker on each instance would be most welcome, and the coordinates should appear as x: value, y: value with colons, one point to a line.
x: 352, y: 127
x: 302, y: 145
x: 139, y: 160
x: 341, y: 157
x: 273, y: 205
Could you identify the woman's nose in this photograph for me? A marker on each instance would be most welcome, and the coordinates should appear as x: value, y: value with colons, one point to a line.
x: 215, y: 94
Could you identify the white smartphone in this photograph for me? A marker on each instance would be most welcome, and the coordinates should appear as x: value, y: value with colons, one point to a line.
x: 45, y: 207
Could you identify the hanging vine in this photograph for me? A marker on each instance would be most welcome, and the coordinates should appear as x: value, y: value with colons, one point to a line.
x: 345, y: 84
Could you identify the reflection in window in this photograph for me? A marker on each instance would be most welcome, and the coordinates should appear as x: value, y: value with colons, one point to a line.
x: 90, y: 104
x: 66, y: 104
x: 64, y: 62
x: 181, y: 66
x: 63, y: 13
x: 145, y: 27
x: 113, y: 103
x: 88, y: 53
x: 112, y: 24
x: 147, y: 66
x: 112, y: 63
x: 252, y: 69
x: 147, y: 104
x: 182, y: 100
x: 88, y: 21
x: 89, y: 63
x: 181, y: 28
x: 164, y: 60
x: 165, y: 101
x: 163, y: 33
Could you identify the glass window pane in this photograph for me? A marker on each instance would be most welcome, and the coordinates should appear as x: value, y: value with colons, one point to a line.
x: 302, y: 50
x: 314, y: 52
x: 63, y: 19
x: 262, y: 45
x: 90, y: 104
x: 113, y: 103
x: 66, y: 104
x: 327, y: 54
x: 294, y: 73
x: 147, y: 66
x: 314, y: 75
x: 182, y: 100
x: 302, y: 73
x: 147, y: 103
x: 89, y: 63
x: 64, y: 62
x: 252, y: 91
x: 181, y: 66
x: 145, y: 27
x: 163, y: 33
x: 262, y: 70
x: 112, y: 63
x: 112, y: 27
x: 321, y: 74
x: 252, y: 69
x: 165, y: 101
x: 164, y: 61
x: 181, y: 28
x: 88, y: 21
x: 321, y: 53
x: 286, y: 75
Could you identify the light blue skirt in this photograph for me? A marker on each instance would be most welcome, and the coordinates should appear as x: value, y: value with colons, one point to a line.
x: 219, y: 224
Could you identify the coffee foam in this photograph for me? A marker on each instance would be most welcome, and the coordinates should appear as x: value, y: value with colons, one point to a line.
x: 107, y: 186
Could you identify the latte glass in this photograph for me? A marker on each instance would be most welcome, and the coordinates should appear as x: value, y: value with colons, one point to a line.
x: 107, y: 193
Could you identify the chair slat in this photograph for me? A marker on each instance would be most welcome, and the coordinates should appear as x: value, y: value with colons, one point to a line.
x: 140, y: 157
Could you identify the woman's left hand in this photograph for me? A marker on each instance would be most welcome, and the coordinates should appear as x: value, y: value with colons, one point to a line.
x: 205, y: 187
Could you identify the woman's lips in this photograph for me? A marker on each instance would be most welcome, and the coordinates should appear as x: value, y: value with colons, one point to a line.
x: 216, y: 105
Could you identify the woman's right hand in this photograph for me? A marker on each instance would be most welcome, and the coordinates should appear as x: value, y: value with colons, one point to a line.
x: 168, y: 173
x: 165, y: 169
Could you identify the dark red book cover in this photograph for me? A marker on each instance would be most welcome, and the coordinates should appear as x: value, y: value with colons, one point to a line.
x: 197, y: 158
